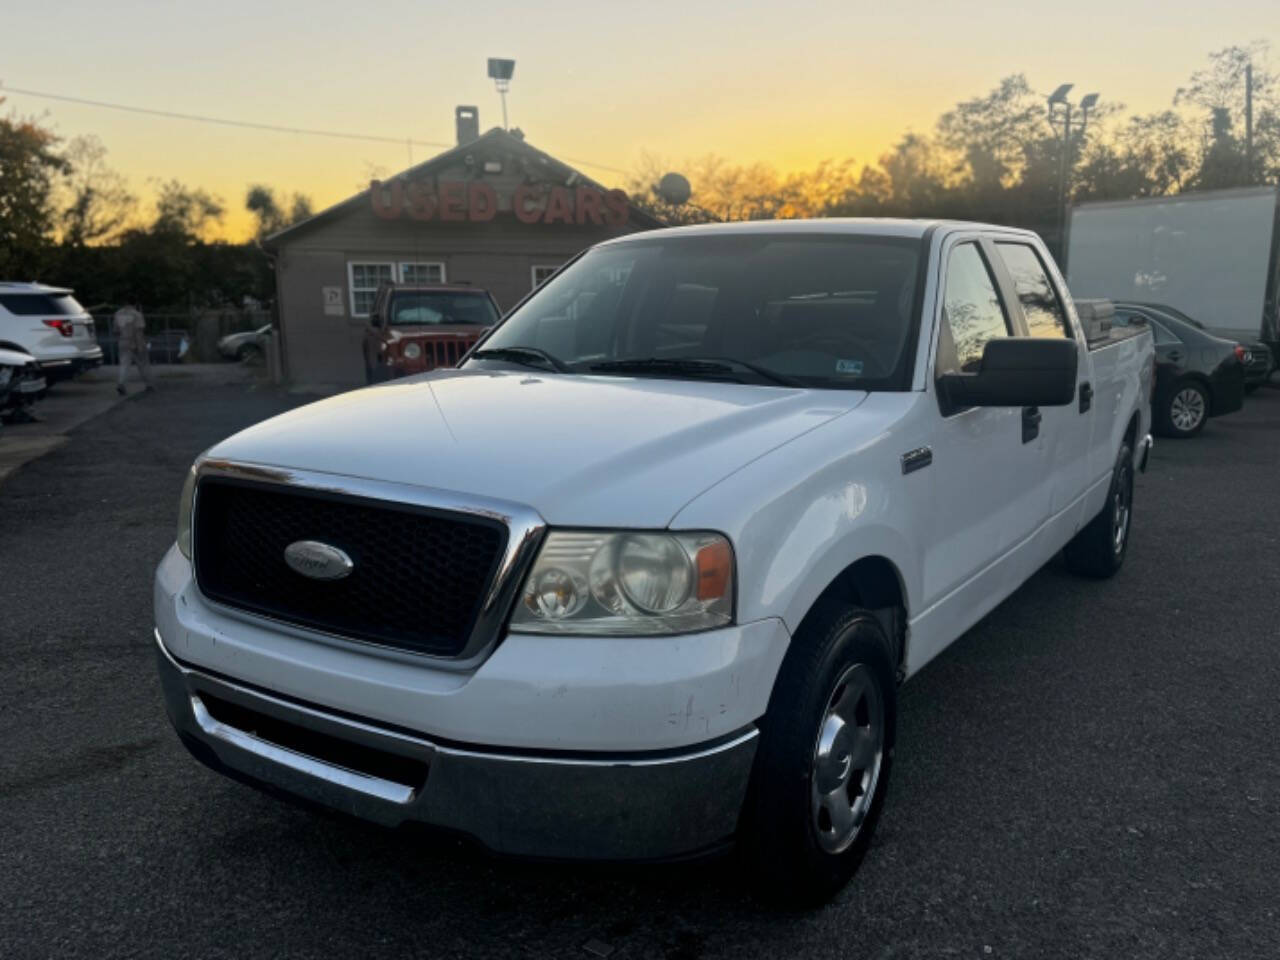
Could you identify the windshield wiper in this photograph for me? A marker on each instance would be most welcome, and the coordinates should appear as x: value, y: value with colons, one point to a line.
x: 526, y: 356
x: 692, y: 367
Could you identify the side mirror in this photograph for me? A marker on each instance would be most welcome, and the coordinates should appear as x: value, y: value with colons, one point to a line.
x: 1016, y: 372
x: 373, y: 321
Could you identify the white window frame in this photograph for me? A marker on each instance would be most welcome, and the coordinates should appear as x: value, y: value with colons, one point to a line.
x: 351, y: 280
x: 438, y: 264
x: 533, y: 273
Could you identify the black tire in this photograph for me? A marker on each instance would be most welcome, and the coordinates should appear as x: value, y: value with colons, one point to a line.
x: 249, y: 353
x: 1251, y: 387
x: 1170, y: 423
x: 793, y: 859
x: 1099, y: 549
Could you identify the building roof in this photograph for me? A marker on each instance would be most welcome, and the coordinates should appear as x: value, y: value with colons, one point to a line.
x: 496, y: 137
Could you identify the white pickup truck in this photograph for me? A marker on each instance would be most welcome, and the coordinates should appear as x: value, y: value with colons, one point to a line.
x: 643, y: 576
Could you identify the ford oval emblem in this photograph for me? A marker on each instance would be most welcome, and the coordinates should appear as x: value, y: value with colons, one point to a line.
x: 317, y: 560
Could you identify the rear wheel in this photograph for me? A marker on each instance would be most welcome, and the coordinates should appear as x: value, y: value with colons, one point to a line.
x: 1251, y: 387
x: 1099, y: 549
x: 822, y: 767
x: 1184, y: 412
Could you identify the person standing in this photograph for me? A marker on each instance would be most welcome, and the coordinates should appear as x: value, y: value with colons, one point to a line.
x: 131, y: 343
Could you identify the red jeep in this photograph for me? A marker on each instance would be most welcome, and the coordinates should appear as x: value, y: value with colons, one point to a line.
x: 413, y: 329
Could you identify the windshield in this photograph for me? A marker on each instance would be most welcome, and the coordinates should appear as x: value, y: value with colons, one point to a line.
x: 822, y: 311
x: 435, y: 309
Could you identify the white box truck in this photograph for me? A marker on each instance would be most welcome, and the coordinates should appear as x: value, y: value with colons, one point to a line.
x: 1213, y: 255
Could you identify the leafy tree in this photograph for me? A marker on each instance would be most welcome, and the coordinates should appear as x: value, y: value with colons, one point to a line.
x: 29, y: 169
x: 97, y: 204
x: 186, y: 212
x: 994, y: 136
x: 1216, y: 94
x: 270, y: 213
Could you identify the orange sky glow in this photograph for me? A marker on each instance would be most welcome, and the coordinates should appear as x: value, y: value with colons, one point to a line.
x: 786, y: 84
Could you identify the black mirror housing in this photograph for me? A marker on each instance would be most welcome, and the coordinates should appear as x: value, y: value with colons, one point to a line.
x: 1016, y: 372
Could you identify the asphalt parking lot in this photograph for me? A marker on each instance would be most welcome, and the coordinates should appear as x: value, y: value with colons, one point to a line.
x: 1092, y: 771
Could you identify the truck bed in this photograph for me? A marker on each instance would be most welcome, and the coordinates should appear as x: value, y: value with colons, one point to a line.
x: 1117, y: 335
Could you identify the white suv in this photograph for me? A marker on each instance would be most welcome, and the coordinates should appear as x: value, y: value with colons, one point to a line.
x: 49, y: 324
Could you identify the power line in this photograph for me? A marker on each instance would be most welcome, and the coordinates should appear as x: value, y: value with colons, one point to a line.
x: 197, y: 118
x: 251, y: 125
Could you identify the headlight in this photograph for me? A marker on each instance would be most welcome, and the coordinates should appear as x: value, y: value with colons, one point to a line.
x: 412, y: 351
x: 184, y: 513
x: 627, y: 584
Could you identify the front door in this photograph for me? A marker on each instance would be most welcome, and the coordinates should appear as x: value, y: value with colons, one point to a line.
x: 989, y: 463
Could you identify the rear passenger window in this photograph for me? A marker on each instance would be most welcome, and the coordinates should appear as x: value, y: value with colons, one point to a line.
x: 972, y: 313
x: 1161, y: 335
x: 1040, y: 303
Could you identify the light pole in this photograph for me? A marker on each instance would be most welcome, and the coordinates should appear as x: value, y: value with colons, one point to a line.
x: 500, y: 71
x: 1060, y: 108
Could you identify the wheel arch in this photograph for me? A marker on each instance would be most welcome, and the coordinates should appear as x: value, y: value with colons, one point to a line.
x: 1131, y: 430
x: 875, y: 583
x: 1201, y: 380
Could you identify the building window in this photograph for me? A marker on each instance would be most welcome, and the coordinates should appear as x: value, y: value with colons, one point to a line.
x: 363, y: 280
x: 541, y: 273
x: 422, y: 272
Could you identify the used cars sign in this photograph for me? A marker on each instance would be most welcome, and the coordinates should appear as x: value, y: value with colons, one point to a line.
x: 478, y: 201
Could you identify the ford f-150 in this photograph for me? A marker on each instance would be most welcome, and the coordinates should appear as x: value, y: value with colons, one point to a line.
x: 643, y: 576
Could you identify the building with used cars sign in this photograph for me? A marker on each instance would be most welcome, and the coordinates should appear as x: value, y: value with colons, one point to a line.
x: 493, y: 212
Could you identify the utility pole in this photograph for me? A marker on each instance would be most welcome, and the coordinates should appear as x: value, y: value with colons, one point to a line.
x: 1062, y: 184
x: 1248, y: 123
x: 1058, y: 103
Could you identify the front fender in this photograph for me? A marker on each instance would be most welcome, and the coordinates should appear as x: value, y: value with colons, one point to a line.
x: 799, y: 516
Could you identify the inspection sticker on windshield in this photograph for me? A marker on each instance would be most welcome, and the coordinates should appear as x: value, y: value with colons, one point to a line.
x: 853, y: 367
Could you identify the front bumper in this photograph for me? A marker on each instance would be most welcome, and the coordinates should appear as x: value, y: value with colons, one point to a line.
x: 622, y: 806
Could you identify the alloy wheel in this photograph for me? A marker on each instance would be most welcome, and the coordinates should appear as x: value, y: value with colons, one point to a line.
x: 1187, y: 410
x: 1121, y: 508
x: 847, y: 758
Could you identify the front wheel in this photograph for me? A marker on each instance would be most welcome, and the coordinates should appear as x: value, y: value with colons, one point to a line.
x: 1099, y: 549
x: 822, y: 767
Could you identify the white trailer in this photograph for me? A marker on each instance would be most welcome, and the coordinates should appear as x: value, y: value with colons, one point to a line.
x: 1212, y: 255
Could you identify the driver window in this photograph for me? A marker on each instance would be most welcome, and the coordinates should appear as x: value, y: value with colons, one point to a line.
x: 972, y: 312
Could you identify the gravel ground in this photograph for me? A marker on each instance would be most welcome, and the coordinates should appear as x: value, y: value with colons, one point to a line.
x: 1092, y: 771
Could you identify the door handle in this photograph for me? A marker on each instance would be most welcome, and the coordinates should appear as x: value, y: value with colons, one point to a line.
x: 1086, y: 396
x: 1031, y: 418
x: 1174, y: 355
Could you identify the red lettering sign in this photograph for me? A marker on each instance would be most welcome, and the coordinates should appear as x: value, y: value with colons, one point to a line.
x: 482, y: 202
x: 616, y: 201
x: 452, y: 195
x: 586, y: 203
x: 558, y: 210
x: 456, y: 200
x: 520, y: 205
x: 420, y: 202
x: 388, y: 199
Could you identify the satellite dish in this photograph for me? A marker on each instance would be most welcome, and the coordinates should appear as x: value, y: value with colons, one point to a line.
x: 674, y: 189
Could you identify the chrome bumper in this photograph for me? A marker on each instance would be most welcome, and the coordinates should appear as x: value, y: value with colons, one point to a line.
x: 625, y: 807
x: 1145, y: 452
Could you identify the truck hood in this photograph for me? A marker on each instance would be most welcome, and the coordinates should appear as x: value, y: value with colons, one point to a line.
x: 581, y: 450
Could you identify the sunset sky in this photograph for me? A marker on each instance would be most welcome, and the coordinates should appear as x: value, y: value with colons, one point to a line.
x: 786, y: 83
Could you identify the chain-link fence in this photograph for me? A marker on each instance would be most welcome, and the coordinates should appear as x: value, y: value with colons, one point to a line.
x: 184, y: 337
